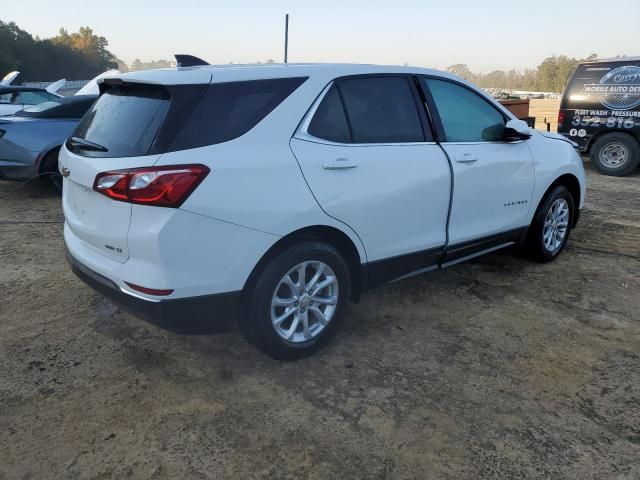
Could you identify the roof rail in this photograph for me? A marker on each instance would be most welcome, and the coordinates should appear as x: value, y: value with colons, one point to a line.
x: 188, y: 60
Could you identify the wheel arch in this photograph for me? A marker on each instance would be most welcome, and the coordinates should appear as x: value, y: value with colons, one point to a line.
x: 573, y: 185
x: 322, y: 233
x: 45, y: 153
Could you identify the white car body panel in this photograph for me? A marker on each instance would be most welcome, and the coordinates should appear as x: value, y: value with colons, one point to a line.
x: 230, y: 251
x: 270, y: 182
x: 386, y: 179
x: 554, y: 157
x: 100, y: 222
x: 255, y: 201
x: 493, y: 185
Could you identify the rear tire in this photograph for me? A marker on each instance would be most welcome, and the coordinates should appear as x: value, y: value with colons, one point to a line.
x: 49, y: 171
x: 549, y: 231
x: 288, y: 319
x: 616, y: 154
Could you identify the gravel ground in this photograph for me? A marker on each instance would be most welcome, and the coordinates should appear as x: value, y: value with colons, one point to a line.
x: 498, y: 368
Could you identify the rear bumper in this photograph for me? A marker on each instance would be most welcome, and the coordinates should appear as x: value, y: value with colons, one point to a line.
x: 195, y: 315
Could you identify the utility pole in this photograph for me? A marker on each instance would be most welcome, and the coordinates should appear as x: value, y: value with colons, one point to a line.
x: 286, y: 38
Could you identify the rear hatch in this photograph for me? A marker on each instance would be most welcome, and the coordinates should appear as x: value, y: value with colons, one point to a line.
x: 129, y: 126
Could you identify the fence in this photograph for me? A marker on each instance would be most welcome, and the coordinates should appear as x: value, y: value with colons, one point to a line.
x: 70, y: 85
x: 69, y: 88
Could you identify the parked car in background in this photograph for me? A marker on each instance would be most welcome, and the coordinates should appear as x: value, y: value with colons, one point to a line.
x: 275, y: 194
x: 10, y: 78
x: 31, y: 138
x: 13, y: 98
x: 91, y: 87
x: 600, y: 111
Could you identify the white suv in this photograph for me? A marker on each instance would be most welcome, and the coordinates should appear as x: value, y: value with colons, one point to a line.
x: 272, y: 195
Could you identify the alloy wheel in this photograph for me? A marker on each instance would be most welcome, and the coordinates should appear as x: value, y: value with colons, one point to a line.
x: 556, y: 225
x: 304, y: 301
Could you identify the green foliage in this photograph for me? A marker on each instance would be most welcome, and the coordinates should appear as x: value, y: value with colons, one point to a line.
x: 550, y: 76
x: 76, y: 56
x: 463, y: 70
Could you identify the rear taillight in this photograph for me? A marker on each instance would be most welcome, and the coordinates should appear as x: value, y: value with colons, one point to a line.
x: 560, y: 119
x: 167, y: 186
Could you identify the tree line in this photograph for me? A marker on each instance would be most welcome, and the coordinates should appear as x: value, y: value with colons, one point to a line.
x: 83, y: 55
x: 74, y: 56
x: 550, y: 76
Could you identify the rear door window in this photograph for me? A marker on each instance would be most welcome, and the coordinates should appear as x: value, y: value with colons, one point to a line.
x: 229, y: 110
x: 465, y: 115
x: 124, y: 120
x: 381, y: 110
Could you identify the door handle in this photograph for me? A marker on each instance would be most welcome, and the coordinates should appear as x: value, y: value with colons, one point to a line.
x: 466, y: 158
x: 339, y: 164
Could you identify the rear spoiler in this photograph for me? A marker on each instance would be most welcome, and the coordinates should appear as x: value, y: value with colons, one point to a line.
x: 188, y: 61
x: 9, y: 78
x: 55, y: 86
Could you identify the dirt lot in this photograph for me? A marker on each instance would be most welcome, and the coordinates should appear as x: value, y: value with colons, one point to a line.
x: 498, y: 368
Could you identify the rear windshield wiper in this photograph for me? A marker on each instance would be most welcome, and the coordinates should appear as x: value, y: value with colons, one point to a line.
x: 87, y: 145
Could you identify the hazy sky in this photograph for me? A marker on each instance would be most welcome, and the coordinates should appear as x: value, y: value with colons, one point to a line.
x: 485, y: 34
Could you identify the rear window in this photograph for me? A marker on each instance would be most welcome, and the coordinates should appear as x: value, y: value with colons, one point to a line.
x: 124, y: 120
x: 134, y: 120
x: 229, y: 110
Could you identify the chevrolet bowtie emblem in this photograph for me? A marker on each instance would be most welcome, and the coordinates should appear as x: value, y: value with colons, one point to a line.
x: 65, y: 172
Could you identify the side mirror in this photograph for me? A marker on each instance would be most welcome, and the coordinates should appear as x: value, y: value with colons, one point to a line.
x: 516, y: 130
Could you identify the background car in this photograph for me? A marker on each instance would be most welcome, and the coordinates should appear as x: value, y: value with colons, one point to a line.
x: 14, y: 99
x: 600, y: 111
x: 30, y: 140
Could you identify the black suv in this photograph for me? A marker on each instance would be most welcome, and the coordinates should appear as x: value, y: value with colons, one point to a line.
x: 600, y: 111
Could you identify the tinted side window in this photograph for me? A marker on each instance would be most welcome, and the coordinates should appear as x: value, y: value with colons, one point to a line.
x: 229, y: 110
x: 466, y: 116
x: 381, y: 110
x: 33, y: 98
x: 329, y: 121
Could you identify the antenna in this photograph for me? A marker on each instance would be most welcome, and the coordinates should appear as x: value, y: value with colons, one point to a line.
x: 286, y: 38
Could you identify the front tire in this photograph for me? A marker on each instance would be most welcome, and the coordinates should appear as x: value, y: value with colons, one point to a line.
x: 549, y: 231
x: 298, y: 301
x: 616, y: 154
